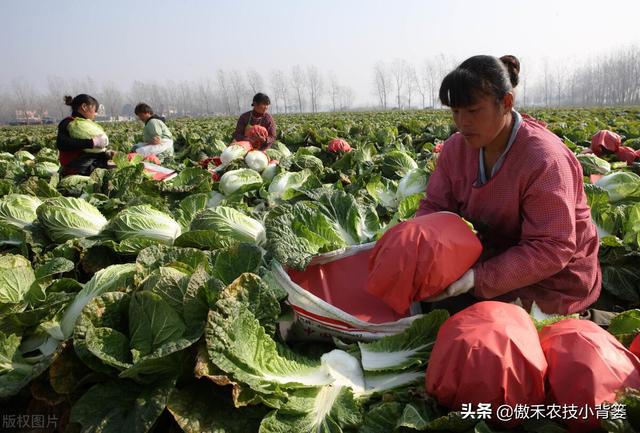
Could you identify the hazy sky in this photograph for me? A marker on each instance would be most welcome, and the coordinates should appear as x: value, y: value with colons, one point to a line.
x: 122, y: 41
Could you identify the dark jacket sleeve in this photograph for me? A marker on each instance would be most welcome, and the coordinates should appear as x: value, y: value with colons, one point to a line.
x: 271, y: 129
x: 238, y: 135
x: 66, y: 143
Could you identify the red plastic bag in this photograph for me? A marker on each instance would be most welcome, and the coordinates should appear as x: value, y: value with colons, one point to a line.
x: 626, y: 154
x: 341, y: 281
x: 605, y: 140
x: 329, y: 298
x: 587, y: 365
x: 338, y: 145
x: 487, y: 353
x: 420, y: 258
x: 635, y: 346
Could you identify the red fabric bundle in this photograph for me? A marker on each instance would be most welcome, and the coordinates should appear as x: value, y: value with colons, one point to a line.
x: 420, y: 258
x: 605, y: 140
x: 150, y: 158
x: 626, y: 154
x: 487, y: 353
x: 587, y: 365
x: 338, y: 145
x: 215, y: 160
x: 257, y: 135
x: 246, y: 144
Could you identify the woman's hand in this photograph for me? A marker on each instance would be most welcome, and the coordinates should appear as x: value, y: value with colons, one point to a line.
x: 155, y: 140
x: 458, y: 287
x: 100, y: 141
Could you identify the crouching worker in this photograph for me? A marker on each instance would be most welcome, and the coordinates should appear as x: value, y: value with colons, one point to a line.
x: 257, y: 126
x: 156, y: 135
x: 82, y: 143
x: 522, y: 188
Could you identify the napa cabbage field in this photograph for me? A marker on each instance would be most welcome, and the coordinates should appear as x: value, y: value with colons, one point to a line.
x: 133, y: 305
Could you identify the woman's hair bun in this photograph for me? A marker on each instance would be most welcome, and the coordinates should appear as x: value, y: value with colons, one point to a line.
x: 513, y: 66
x: 68, y: 100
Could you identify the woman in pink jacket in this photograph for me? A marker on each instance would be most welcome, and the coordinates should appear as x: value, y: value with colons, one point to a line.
x: 521, y: 187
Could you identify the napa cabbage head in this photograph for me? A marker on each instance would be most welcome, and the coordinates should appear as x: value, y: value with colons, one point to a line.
x: 271, y: 171
x: 232, y: 152
x: 256, y: 160
x: 230, y: 224
x: 414, y: 182
x: 105, y: 280
x: 16, y: 277
x: 19, y: 209
x: 287, y: 184
x: 621, y: 185
x: 240, y: 181
x: 396, y: 163
x: 145, y: 222
x: 66, y: 218
x: 591, y: 164
x: 84, y: 128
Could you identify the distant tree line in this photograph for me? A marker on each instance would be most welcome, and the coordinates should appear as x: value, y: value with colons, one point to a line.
x: 604, y: 80
x: 611, y: 79
x: 301, y: 89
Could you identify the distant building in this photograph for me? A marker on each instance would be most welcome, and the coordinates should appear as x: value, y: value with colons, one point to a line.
x: 32, y: 117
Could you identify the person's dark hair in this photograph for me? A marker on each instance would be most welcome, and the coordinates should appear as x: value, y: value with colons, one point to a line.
x: 83, y: 98
x: 143, y: 108
x: 260, y: 98
x: 478, y: 76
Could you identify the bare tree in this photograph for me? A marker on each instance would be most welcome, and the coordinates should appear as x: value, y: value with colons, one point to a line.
x: 7, y: 108
x: 443, y: 65
x: 345, y: 97
x: 206, y: 94
x: 399, y: 74
x: 255, y: 81
x: 315, y: 87
x: 547, y: 83
x: 184, y: 98
x: 382, y: 82
x: 280, y: 89
x: 559, y: 78
x: 334, y: 91
x: 429, y: 78
x: 138, y: 92
x: 299, y: 83
x: 171, y: 95
x: 83, y: 85
x: 413, y: 84
x: 522, y: 86
x: 223, y: 85
x: 112, y: 99
x: 24, y: 96
x: 420, y: 85
x: 56, y: 90
x: 238, y: 88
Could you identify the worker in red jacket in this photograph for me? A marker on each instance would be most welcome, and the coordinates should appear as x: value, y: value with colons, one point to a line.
x: 523, y: 190
x: 73, y: 157
x: 257, y: 116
